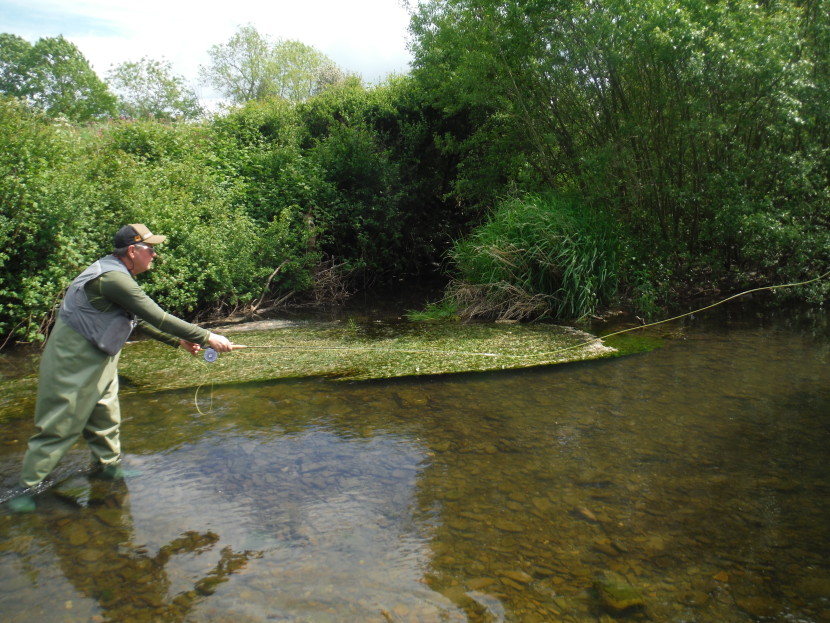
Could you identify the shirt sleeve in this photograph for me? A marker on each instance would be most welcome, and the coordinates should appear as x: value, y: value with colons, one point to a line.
x: 122, y: 290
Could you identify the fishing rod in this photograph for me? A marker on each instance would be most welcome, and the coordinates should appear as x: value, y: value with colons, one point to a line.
x: 212, y: 355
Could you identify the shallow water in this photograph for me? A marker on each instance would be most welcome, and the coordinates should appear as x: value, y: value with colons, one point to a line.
x: 697, y: 473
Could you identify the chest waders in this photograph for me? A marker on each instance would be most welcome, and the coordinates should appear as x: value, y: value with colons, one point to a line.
x: 78, y: 385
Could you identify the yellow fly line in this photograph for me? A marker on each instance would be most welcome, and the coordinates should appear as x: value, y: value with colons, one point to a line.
x: 691, y: 313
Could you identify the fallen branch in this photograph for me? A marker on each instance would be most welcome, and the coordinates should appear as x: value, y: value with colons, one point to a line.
x: 255, y: 306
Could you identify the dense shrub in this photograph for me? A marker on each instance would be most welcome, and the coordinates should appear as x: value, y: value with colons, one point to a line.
x: 535, y: 256
x: 358, y: 207
x: 42, y: 230
x: 385, y: 203
x: 65, y: 190
x: 703, y: 126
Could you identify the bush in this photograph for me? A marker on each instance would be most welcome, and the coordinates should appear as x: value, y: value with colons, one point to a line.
x: 214, y: 260
x: 42, y: 230
x: 542, y: 255
x: 358, y: 204
x: 65, y: 190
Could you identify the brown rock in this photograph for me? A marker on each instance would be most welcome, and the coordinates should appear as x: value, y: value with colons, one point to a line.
x: 518, y: 576
x: 759, y: 606
x: 76, y: 534
x: 476, y: 584
x: 606, y: 547
x: 696, y: 599
x: 506, y: 525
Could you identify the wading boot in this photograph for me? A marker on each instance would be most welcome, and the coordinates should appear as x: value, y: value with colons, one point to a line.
x: 22, y: 500
x: 116, y: 471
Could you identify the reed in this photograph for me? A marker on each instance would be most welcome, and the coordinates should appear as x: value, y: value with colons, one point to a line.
x: 536, y: 256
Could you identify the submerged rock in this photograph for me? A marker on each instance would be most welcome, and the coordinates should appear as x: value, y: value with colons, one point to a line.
x: 615, y: 593
x: 759, y: 607
x: 693, y: 598
x: 518, y: 576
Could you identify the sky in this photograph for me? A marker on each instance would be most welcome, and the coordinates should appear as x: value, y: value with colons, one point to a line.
x: 366, y: 37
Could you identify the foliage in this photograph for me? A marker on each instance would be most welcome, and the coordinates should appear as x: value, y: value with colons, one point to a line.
x: 54, y: 77
x: 349, y: 166
x: 302, y: 70
x: 251, y: 66
x: 445, y: 309
x: 386, y: 202
x: 699, y: 130
x: 535, y: 256
x: 239, y: 68
x: 690, y: 120
x: 13, y: 57
x: 149, y: 89
x: 39, y: 231
x: 149, y: 141
x: 358, y: 207
x: 162, y: 175
x: 65, y: 190
x: 257, y: 146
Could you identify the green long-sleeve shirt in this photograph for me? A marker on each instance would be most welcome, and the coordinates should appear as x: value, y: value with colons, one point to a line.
x: 117, y: 289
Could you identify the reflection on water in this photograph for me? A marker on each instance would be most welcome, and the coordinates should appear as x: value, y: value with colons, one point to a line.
x: 695, y: 476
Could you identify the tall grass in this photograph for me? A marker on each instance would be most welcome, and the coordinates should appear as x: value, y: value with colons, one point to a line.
x: 537, y: 256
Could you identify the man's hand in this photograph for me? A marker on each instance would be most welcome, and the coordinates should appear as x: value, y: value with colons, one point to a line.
x: 190, y: 347
x: 220, y: 343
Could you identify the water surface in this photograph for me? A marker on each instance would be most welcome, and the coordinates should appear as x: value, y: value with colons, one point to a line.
x: 697, y: 473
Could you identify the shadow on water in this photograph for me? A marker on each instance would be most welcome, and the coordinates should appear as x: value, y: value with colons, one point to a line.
x: 694, y: 475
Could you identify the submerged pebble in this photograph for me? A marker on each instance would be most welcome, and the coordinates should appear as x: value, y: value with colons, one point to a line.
x: 615, y: 593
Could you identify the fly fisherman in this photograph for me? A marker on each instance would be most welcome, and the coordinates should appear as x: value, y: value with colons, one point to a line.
x: 78, y: 385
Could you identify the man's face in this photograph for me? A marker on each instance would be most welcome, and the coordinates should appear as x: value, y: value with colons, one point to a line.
x: 142, y: 256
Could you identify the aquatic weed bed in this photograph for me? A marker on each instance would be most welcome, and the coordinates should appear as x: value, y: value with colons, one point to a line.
x: 339, y: 351
x: 346, y: 351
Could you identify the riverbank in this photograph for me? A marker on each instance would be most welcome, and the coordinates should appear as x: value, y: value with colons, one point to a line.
x: 369, y: 337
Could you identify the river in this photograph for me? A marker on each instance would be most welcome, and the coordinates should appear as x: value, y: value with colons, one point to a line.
x: 696, y: 475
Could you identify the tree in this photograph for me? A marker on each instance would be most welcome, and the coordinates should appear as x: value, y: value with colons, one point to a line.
x: 148, y: 88
x: 251, y: 66
x: 54, y: 77
x: 330, y: 74
x: 302, y: 70
x: 13, y: 59
x: 685, y: 118
x: 239, y: 69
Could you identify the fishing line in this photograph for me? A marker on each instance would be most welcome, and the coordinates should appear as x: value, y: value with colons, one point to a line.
x: 211, y: 355
x: 691, y: 313
x: 196, y: 395
x: 721, y: 302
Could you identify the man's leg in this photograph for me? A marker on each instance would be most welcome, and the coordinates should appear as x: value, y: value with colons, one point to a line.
x: 102, y: 431
x: 68, y: 390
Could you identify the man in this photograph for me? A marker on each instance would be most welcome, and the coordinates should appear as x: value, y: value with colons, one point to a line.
x: 78, y: 384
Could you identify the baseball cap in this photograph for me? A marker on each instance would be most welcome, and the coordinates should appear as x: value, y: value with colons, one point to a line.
x: 135, y: 233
